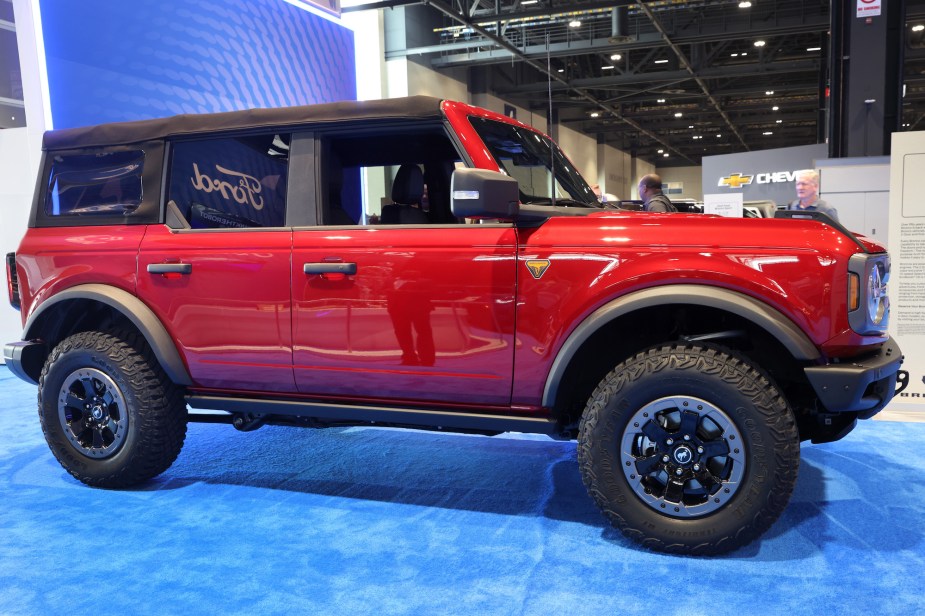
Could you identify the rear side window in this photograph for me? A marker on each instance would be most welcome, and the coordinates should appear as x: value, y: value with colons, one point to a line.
x: 104, y: 184
x: 231, y: 183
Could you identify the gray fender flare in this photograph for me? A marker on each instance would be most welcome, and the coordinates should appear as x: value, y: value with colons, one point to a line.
x: 135, y: 311
x: 756, y: 311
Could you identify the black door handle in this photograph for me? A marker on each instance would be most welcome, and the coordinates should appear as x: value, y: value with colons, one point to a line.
x: 334, y: 267
x: 170, y: 268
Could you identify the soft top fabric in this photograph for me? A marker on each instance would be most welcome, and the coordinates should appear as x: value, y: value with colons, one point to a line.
x: 121, y: 133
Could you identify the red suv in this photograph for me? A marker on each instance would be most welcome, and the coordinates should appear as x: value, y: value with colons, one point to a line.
x: 418, y: 262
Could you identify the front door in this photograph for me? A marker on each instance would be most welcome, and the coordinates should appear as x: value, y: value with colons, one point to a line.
x: 417, y: 313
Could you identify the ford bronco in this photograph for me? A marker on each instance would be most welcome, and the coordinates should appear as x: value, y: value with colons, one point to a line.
x: 425, y: 263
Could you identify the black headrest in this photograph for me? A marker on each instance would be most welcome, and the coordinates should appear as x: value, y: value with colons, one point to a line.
x: 409, y: 185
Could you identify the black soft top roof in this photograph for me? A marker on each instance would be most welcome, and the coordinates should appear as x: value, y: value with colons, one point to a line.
x: 189, y: 124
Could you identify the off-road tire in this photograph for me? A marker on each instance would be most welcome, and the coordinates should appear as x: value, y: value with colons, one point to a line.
x: 109, y: 413
x: 727, y: 403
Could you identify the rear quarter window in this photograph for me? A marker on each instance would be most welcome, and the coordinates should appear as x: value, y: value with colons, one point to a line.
x: 104, y: 184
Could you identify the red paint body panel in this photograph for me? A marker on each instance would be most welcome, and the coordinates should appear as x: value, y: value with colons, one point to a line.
x: 230, y: 317
x: 593, y: 263
x: 51, y: 260
x: 429, y: 314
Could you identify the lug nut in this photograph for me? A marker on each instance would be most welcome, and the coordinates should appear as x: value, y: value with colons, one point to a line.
x: 697, y: 467
x: 679, y: 472
x: 687, y: 437
x: 665, y: 458
x: 699, y: 449
x: 669, y: 442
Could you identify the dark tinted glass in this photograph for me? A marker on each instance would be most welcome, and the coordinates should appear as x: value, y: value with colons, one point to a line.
x: 95, y: 184
x: 231, y: 183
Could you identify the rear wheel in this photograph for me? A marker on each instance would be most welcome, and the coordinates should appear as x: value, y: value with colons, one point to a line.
x: 110, y: 415
x: 689, y: 449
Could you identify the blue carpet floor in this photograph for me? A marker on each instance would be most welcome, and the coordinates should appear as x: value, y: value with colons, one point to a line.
x: 374, y: 521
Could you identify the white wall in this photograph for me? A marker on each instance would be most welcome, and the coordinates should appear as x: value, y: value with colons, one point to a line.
x: 614, y: 172
x: 691, y: 177
x: 859, y: 190
x: 581, y: 150
x: 17, y: 183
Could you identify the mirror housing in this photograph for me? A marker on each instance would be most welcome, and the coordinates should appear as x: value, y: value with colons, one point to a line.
x: 479, y: 193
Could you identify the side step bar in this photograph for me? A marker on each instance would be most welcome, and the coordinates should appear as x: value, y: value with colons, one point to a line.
x: 377, y: 414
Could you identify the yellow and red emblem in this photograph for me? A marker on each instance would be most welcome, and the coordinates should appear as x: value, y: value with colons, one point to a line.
x: 537, y: 267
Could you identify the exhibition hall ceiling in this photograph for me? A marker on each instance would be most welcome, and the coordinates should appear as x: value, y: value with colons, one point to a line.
x: 682, y: 78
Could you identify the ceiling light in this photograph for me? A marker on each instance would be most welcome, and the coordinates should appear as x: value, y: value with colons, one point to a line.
x: 744, y: 53
x: 661, y: 151
x: 745, y: 5
x: 734, y: 55
x: 616, y: 56
x: 691, y: 126
x: 780, y: 121
x: 769, y: 92
x: 760, y: 43
x: 661, y: 61
x: 767, y: 132
x: 561, y: 70
x: 595, y: 114
x: 526, y: 2
x: 607, y: 68
x: 677, y: 114
x: 661, y: 100
x: 665, y: 154
x: 918, y: 28
x: 814, y: 49
x: 574, y: 23
x: 719, y: 136
x: 775, y: 108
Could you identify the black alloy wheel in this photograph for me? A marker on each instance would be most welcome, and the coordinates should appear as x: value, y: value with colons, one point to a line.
x: 689, y: 449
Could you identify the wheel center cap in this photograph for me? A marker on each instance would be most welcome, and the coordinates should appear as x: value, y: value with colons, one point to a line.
x: 683, y: 455
x: 97, y: 412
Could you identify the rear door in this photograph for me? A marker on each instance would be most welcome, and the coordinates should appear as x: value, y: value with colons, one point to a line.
x: 218, y: 276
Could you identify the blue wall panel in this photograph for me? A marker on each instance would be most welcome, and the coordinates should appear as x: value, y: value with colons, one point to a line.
x: 112, y: 60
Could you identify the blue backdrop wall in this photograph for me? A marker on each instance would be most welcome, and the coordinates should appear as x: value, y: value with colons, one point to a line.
x: 111, y: 60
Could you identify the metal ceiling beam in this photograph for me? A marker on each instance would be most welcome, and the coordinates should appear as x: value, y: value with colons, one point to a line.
x: 744, y: 70
x: 450, y: 12
x: 682, y: 58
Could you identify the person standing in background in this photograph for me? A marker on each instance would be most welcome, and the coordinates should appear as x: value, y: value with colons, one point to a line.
x: 650, y: 191
x: 807, y: 184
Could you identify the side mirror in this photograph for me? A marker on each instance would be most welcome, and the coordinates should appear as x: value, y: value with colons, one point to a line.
x: 478, y: 193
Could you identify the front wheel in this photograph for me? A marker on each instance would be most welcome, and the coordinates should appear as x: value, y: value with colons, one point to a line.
x: 689, y: 449
x: 110, y: 415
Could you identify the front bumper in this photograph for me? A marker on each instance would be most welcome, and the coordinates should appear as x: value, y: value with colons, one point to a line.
x: 25, y: 359
x: 863, y: 385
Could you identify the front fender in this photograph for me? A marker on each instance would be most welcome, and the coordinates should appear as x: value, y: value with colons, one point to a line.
x: 771, y: 320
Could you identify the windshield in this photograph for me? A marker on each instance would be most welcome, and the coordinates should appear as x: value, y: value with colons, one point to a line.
x: 531, y: 159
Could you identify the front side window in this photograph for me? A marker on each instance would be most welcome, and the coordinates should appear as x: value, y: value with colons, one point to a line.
x: 231, y: 183
x: 103, y: 184
x: 542, y: 171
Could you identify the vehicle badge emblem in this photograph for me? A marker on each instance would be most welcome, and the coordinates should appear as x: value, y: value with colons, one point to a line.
x: 537, y: 267
x: 683, y: 455
x: 735, y: 180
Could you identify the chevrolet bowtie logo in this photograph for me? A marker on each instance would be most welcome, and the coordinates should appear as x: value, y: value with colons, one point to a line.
x: 735, y: 180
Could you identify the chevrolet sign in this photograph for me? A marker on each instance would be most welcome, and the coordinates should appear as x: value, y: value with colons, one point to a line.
x: 737, y: 180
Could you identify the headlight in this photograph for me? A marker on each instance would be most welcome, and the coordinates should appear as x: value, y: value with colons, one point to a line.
x: 868, y: 303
